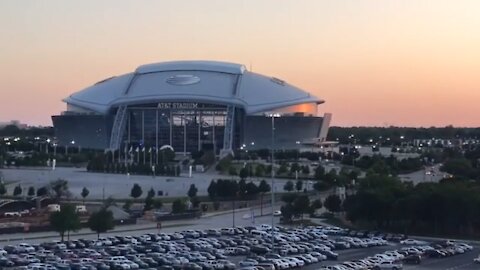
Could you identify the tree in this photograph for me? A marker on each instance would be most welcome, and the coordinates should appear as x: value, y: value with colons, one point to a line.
x: 127, y: 205
x: 319, y: 172
x: 31, y: 191
x: 43, y: 191
x: 84, y: 193
x: 301, y: 205
x: 299, y: 185
x: 232, y: 171
x: 136, y: 191
x: 283, y: 169
x: 288, y: 186
x: 60, y: 188
x: 3, y: 189
x: 157, y: 204
x: 294, y: 168
x: 101, y: 221
x: 65, y: 220
x: 148, y: 203
x: 306, y: 169
x: 333, y: 203
x: 192, y: 191
x: 178, y: 206
x: 151, y: 193
x: 251, y: 189
x: 212, y: 189
x: 260, y: 170
x: 17, y: 190
x: 287, y: 212
x: 242, y: 188
x: 263, y: 188
x: 243, y: 173
x: 316, y: 204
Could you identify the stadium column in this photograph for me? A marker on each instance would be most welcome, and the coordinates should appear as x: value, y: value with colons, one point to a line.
x: 184, y: 134
x: 199, y: 123
x: 156, y: 137
x: 171, y: 123
x: 213, y: 134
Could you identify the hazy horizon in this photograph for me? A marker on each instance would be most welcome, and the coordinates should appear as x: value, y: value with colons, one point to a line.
x: 404, y: 63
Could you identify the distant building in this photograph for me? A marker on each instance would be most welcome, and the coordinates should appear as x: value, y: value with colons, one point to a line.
x: 190, y: 106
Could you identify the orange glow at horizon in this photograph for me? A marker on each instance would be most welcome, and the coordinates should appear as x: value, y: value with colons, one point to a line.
x: 399, y: 62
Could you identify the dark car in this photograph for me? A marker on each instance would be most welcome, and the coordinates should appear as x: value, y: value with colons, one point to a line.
x: 434, y: 253
x: 412, y: 259
x: 330, y: 254
x: 6, y: 262
x: 259, y: 249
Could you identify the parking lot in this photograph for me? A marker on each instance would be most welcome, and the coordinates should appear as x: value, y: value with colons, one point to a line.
x: 242, y: 248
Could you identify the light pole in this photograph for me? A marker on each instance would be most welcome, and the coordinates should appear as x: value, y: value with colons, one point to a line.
x: 48, y: 144
x: 273, y: 115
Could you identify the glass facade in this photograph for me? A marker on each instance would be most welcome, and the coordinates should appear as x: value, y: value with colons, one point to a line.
x: 187, y: 127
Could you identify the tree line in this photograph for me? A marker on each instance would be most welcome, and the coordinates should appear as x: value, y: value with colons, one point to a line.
x: 384, y: 202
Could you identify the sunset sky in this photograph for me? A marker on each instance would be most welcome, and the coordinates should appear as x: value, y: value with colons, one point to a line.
x: 382, y: 62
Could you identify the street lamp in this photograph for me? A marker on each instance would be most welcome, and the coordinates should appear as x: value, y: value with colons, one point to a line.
x: 273, y: 115
x: 48, y: 144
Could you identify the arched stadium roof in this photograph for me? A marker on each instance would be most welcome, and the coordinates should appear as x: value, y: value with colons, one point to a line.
x: 191, y: 81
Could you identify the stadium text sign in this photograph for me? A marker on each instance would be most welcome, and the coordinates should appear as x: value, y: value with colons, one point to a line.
x: 177, y: 105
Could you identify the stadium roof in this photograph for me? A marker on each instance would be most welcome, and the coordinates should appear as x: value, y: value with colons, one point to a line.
x: 192, y: 81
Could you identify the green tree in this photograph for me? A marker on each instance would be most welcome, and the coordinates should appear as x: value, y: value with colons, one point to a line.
x: 178, y: 206
x: 242, y: 188
x: 319, y: 172
x: 151, y: 193
x: 288, y: 186
x: 294, y: 168
x: 287, y: 212
x: 232, y: 171
x: 3, y: 189
x: 306, y: 169
x: 301, y: 205
x: 65, y: 220
x: 101, y: 221
x: 127, y: 205
x: 251, y: 189
x: 84, y: 193
x: 192, y: 191
x: 263, y: 188
x: 157, y: 204
x: 316, y: 204
x: 148, y: 203
x: 260, y: 170
x: 243, y: 173
x: 299, y: 185
x: 43, y: 191
x: 212, y: 189
x: 136, y: 191
x: 31, y: 191
x: 17, y: 190
x: 283, y: 169
x: 333, y: 203
x: 60, y: 188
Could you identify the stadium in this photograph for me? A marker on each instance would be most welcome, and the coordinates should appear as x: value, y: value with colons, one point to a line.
x: 190, y: 106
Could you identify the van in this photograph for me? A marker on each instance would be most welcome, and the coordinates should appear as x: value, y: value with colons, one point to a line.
x: 53, y: 208
x: 81, y: 209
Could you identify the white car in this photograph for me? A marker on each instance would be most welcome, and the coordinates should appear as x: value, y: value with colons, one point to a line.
x: 477, y: 260
x: 412, y: 242
x: 389, y: 266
